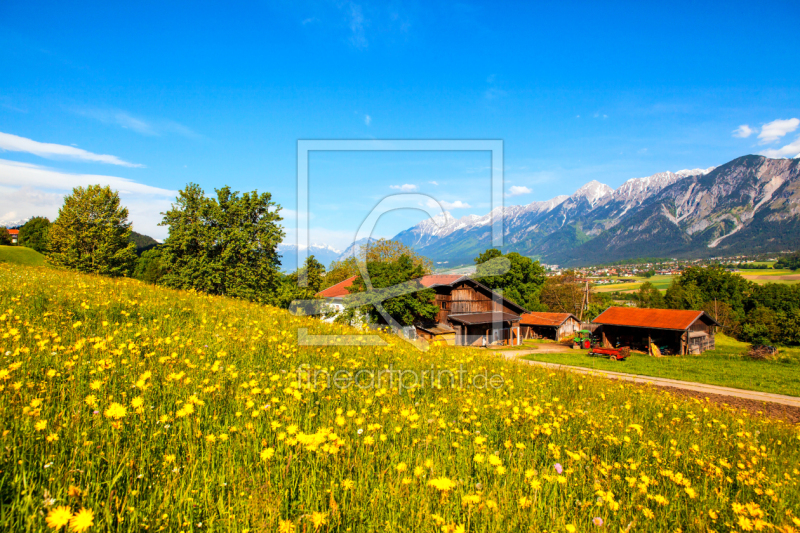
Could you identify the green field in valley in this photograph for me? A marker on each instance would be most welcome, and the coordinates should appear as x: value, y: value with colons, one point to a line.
x: 21, y: 256
x: 633, y: 284
x: 727, y: 366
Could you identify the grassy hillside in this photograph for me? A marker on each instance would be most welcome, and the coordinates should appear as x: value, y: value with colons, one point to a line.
x: 21, y: 256
x: 137, y: 408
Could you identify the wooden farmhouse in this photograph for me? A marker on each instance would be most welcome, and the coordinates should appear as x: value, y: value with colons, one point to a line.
x: 555, y: 326
x: 470, y: 314
x: 673, y: 332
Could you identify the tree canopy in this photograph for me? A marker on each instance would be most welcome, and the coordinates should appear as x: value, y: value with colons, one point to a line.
x: 5, y: 237
x: 406, y: 309
x: 224, y: 245
x: 34, y: 234
x: 522, y: 283
x: 91, y: 233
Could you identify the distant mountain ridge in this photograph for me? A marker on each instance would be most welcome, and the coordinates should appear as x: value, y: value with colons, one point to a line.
x: 321, y: 252
x: 544, y: 229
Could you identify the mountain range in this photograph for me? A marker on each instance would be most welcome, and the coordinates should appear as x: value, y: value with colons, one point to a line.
x: 751, y: 204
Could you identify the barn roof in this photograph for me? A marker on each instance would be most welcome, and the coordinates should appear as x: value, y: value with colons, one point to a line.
x: 431, y: 280
x: 13, y: 232
x: 545, y: 319
x: 674, y: 319
x: 340, y: 289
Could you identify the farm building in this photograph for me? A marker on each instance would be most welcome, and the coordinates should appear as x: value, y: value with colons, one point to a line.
x: 554, y: 326
x: 470, y: 314
x: 673, y: 332
x: 14, y: 234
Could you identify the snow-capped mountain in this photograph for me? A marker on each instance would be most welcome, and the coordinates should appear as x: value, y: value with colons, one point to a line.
x: 541, y: 227
x: 322, y: 252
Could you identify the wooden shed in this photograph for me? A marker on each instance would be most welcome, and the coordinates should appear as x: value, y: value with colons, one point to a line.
x: 555, y: 326
x: 672, y: 331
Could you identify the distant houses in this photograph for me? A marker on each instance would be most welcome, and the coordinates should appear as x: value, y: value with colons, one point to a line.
x: 14, y: 233
x: 470, y: 314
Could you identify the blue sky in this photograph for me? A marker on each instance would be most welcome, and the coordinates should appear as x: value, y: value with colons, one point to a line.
x: 219, y: 94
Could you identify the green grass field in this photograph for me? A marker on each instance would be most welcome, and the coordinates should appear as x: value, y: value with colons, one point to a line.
x: 128, y: 407
x: 21, y: 256
x: 660, y: 282
x: 726, y: 366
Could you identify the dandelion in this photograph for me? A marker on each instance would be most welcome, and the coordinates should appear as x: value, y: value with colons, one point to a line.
x: 73, y: 491
x: 137, y: 402
x: 348, y: 484
x: 40, y: 425
x: 116, y: 411
x: 442, y: 484
x: 82, y: 520
x: 267, y: 453
x: 570, y: 528
x: 318, y: 519
x: 286, y: 526
x: 58, y: 517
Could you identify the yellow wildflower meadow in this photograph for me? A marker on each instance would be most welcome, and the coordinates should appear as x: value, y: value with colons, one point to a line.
x: 127, y: 407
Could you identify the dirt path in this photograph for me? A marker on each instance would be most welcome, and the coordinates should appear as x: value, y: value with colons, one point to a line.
x: 695, y: 388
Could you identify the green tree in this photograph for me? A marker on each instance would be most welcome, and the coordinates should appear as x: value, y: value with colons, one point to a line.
x: 339, y: 271
x: 522, y: 283
x: 34, y: 234
x: 791, y: 262
x: 5, y: 237
x: 224, y: 245
x: 385, y: 250
x: 149, y: 267
x: 91, y: 233
x: 650, y: 297
x: 288, y: 288
x: 760, y: 326
x: 406, y: 309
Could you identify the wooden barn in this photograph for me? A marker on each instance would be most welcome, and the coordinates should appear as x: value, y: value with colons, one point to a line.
x: 673, y: 332
x: 470, y: 314
x: 555, y: 326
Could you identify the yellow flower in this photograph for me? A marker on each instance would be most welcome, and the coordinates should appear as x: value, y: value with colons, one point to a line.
x: 96, y: 384
x: 91, y: 400
x: 267, y: 454
x: 570, y: 528
x: 348, y: 484
x: 286, y: 526
x: 401, y: 467
x: 73, y: 491
x: 442, y: 484
x: 318, y: 519
x: 137, y: 402
x: 40, y: 425
x: 713, y: 514
x: 495, y: 460
x: 52, y: 437
x: 58, y: 517
x: 169, y: 458
x: 116, y: 411
x: 82, y: 520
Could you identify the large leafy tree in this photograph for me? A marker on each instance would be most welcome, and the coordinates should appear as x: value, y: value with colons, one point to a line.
x: 792, y: 261
x: 522, y: 282
x: 650, y: 297
x: 406, y: 309
x: 34, y: 234
x: 385, y: 250
x: 91, y: 233
x: 339, y: 271
x: 225, y: 245
x: 288, y: 288
x: 5, y: 237
x: 149, y: 266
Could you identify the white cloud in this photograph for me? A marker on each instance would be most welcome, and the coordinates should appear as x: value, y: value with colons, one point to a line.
x: 791, y: 151
x: 433, y: 182
x: 776, y: 129
x: 31, y: 190
x: 367, y: 120
x: 458, y: 204
x: 357, y: 21
x: 406, y: 187
x: 518, y: 190
x: 15, y: 143
x: 150, y: 127
x: 743, y: 131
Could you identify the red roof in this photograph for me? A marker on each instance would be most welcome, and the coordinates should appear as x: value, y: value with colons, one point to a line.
x: 340, y: 289
x: 649, y: 318
x: 545, y: 319
x: 439, y: 279
x: 13, y: 231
